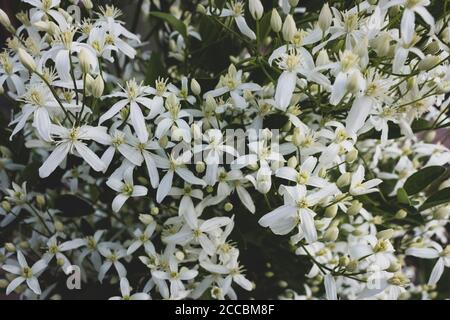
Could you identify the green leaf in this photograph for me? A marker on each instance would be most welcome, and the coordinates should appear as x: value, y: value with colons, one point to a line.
x: 174, y: 22
x: 155, y: 68
x: 73, y: 206
x: 402, y: 196
x: 422, y: 179
x: 440, y: 197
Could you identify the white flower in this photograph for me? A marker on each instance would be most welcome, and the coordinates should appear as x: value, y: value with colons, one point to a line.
x: 25, y: 273
x: 143, y: 238
x: 125, y: 290
x: 436, y: 252
x: 133, y: 95
x: 408, y: 18
x: 71, y: 140
x: 126, y: 189
x: 55, y: 249
x: 174, y: 275
x: 112, y: 259
x: 176, y: 165
x: 296, y: 211
x: 304, y: 175
x: 232, y: 83
x: 237, y: 10
x: 357, y: 187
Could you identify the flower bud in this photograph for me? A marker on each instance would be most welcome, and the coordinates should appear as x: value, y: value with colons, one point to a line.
x: 442, y: 213
x: 401, y: 214
x: 228, y: 207
x: 195, y: 87
x: 256, y: 9
x: 351, y: 156
x: 146, y: 219
x: 84, y: 61
x: 385, y: 234
x: 40, y: 200
x: 394, y: 266
x: 352, y: 265
x: 293, y: 3
x: 201, y: 9
x: 163, y: 141
x: 430, y: 136
x: 331, y: 234
x: 97, y: 87
x: 297, y: 137
x: 282, y: 284
x: 331, y: 211
x: 428, y: 62
x: 60, y: 262
x: 322, y: 173
x: 4, y: 20
x: 6, y: 206
x: 3, y: 283
x: 344, y: 261
x: 154, y: 211
x: 58, y: 226
x: 322, y: 58
x: 27, y: 60
x: 289, y: 28
x: 24, y: 245
x: 275, y: 21
x: 10, y: 247
x: 325, y: 17
x: 87, y: 4
x: 292, y: 162
x: 344, y: 180
x: 355, y: 208
x: 179, y: 255
x: 200, y: 167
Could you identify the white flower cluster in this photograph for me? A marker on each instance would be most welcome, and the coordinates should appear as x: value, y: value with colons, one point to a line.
x: 147, y: 183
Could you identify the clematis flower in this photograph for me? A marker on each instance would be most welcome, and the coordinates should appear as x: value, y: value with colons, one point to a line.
x: 358, y: 187
x: 296, y: 211
x: 25, y: 274
x: 236, y: 10
x: 126, y: 189
x: 435, y: 252
x: 125, y: 290
x: 71, y: 140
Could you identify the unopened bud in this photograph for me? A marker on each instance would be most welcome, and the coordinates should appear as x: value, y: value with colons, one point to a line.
x: 228, y: 207
x: 84, y: 61
x: 24, y: 245
x: 27, y: 60
x: 442, y: 213
x: 344, y: 261
x: 256, y: 9
x: 292, y: 162
x: 58, y: 226
x: 401, y: 214
x: 97, y: 87
x: 428, y: 62
x: 275, y: 21
x: 293, y: 3
x: 355, y: 208
x: 331, y: 234
x: 146, y: 219
x: 195, y: 87
x: 10, y: 247
x: 385, y: 234
x: 87, y: 4
x: 344, y: 180
x: 3, y: 283
x: 60, y: 262
x: 351, y: 156
x: 4, y: 20
x: 40, y: 200
x: 430, y: 136
x: 6, y: 206
x: 154, y: 211
x: 179, y: 255
x: 331, y: 211
x: 289, y: 28
x: 201, y: 9
x: 200, y: 167
x: 325, y: 17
